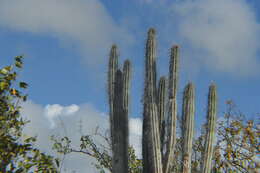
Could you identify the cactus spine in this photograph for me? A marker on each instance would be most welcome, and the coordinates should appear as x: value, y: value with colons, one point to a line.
x: 188, y: 126
x: 152, y: 162
x: 119, y: 84
x: 211, y: 123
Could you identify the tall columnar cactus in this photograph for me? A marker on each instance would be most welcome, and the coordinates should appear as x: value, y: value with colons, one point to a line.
x: 210, y: 128
x: 119, y: 84
x: 159, y: 124
x: 152, y: 162
x: 187, y: 126
x: 172, y: 111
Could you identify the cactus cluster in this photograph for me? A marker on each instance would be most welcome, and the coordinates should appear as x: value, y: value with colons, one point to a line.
x: 118, y: 89
x: 159, y: 114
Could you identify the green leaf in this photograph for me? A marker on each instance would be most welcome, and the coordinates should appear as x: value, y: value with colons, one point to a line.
x: 3, y: 85
x: 6, y: 70
x: 30, y: 139
x: 18, y: 58
x: 24, y: 98
x: 18, y: 64
x: 20, y: 170
x: 23, y: 85
x: 57, y: 162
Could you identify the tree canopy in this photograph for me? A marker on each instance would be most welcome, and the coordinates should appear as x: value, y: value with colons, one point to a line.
x: 17, y: 151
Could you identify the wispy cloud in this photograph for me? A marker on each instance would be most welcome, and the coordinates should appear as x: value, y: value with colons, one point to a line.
x: 222, y: 35
x: 72, y: 121
x: 88, y: 23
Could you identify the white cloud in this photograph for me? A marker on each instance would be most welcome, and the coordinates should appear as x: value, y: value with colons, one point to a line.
x: 68, y: 110
x: 72, y: 121
x: 135, y: 126
x: 223, y: 34
x: 85, y: 21
x: 55, y: 110
x: 135, y: 136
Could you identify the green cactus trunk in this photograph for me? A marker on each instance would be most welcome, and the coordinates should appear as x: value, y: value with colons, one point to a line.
x: 151, y: 138
x: 172, y: 113
x: 187, y: 126
x: 210, y: 128
x: 120, y: 125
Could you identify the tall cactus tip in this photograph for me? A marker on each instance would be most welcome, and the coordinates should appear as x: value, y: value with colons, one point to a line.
x: 213, y: 85
x: 113, y: 51
x: 151, y: 32
x: 190, y: 84
x: 114, y: 46
x: 175, y: 46
x: 189, y: 87
x: 127, y: 62
x: 163, y: 78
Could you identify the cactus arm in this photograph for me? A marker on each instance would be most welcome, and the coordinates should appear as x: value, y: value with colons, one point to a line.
x: 126, y: 84
x: 188, y: 126
x: 172, y: 112
x: 211, y: 124
x: 161, y: 98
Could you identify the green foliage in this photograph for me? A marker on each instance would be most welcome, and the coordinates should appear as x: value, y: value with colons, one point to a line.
x: 237, y: 146
x: 17, y: 152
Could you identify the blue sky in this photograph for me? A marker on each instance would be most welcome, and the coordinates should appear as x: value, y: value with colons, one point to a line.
x: 66, y: 45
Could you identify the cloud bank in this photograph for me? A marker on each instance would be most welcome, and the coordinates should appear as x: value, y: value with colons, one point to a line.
x: 221, y: 36
x: 72, y: 121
